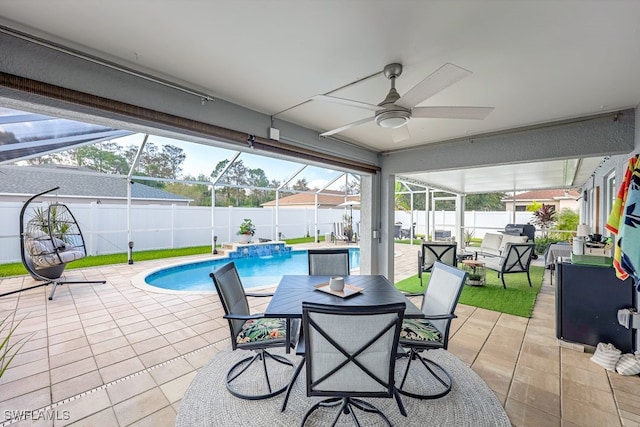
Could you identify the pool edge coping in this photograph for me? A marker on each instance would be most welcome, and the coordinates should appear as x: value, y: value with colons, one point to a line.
x: 138, y: 281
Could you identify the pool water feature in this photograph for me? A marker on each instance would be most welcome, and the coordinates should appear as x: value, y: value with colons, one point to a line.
x: 254, y: 271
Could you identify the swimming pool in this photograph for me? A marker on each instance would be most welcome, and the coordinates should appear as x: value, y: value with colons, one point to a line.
x: 254, y: 271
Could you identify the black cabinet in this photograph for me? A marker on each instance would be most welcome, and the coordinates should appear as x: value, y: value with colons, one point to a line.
x: 587, y: 302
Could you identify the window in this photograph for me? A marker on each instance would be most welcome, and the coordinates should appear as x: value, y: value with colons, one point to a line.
x: 610, y: 193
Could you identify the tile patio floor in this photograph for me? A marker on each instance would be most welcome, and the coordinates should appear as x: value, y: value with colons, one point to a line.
x: 115, y: 355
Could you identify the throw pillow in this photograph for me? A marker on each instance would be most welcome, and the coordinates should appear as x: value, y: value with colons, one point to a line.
x: 607, y: 356
x: 508, y: 238
x: 629, y: 364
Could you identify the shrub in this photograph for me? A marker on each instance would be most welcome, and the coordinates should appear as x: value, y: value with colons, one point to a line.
x: 543, y: 242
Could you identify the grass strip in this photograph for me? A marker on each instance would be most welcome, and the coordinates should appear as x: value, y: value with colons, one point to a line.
x: 17, y: 269
x: 518, y: 299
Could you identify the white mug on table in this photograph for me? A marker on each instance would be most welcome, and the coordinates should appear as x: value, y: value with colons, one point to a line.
x: 336, y: 283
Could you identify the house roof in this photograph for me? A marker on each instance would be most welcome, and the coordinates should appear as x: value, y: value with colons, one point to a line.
x: 325, y: 199
x: 16, y: 180
x: 544, y: 195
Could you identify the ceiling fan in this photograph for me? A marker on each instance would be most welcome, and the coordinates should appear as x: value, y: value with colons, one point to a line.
x: 395, y: 111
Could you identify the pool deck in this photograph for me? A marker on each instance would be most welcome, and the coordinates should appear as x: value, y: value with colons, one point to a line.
x: 118, y: 355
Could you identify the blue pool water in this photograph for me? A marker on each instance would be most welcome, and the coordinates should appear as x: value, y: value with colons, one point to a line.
x: 253, y: 271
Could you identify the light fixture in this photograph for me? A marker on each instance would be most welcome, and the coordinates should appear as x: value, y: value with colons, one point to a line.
x: 392, y: 119
x: 583, y: 230
x: 130, y: 261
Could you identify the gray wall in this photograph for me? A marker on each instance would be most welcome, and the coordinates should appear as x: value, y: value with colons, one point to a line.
x: 615, y: 163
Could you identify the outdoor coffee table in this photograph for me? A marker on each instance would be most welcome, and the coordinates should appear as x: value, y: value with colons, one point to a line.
x: 461, y: 256
x: 477, y: 273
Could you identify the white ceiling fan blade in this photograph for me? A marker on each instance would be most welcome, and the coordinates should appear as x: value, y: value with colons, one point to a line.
x: 349, y: 126
x: 440, y: 79
x: 400, y: 134
x: 344, y: 101
x: 476, y: 113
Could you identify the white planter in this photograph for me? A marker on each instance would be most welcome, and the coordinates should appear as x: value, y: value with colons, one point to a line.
x: 244, y: 238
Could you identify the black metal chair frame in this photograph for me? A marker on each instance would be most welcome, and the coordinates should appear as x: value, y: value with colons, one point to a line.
x: 528, y: 230
x: 260, y: 348
x: 345, y: 399
x: 524, y: 255
x: 50, y: 275
x: 321, y: 252
x: 438, y: 254
x: 417, y: 347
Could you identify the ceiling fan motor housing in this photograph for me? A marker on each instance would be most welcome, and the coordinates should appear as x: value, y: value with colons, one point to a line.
x: 391, y: 119
x: 392, y: 116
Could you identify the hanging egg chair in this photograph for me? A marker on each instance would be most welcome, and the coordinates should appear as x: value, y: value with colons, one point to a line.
x: 48, y: 241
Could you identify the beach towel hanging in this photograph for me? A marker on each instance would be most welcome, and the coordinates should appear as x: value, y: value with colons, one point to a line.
x: 623, y: 222
x: 628, y: 238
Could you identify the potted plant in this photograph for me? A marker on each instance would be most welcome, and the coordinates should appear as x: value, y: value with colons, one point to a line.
x: 474, y: 279
x: 468, y: 237
x: 246, y: 231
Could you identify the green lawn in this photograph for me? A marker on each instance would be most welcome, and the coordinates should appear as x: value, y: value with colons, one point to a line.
x: 518, y: 299
x: 17, y: 269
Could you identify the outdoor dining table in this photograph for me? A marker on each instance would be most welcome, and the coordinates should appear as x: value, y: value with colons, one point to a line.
x: 294, y: 289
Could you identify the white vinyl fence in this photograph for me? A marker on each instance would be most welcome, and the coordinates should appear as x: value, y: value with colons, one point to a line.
x: 479, y: 223
x: 104, y: 226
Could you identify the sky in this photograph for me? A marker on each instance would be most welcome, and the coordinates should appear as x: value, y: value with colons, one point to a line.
x: 202, y: 159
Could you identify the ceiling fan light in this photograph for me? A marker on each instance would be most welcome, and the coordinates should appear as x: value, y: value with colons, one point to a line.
x: 392, y: 119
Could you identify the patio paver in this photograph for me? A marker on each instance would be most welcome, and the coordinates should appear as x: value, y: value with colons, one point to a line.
x: 116, y: 355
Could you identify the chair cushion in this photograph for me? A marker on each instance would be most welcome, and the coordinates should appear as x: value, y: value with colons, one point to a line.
x: 419, y: 330
x: 508, y: 238
x: 494, y: 263
x: 491, y: 241
x: 256, y: 330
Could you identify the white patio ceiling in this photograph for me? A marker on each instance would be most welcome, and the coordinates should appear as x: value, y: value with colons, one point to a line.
x: 535, y: 62
x: 514, y: 177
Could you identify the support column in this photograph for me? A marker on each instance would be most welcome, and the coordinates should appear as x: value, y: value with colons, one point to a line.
x: 460, y: 208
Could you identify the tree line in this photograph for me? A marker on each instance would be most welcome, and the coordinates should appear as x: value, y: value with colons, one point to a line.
x: 245, y: 186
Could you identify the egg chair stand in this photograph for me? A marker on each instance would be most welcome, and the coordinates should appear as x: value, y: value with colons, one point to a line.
x: 48, y: 241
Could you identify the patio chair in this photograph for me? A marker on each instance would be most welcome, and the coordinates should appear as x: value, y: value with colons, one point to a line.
x: 397, y: 227
x: 249, y: 331
x: 431, y: 332
x: 48, y: 242
x: 515, y: 258
x: 350, y: 352
x: 339, y: 233
x: 328, y: 262
x: 435, y: 252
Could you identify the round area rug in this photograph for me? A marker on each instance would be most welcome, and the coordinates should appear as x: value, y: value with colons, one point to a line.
x: 208, y: 403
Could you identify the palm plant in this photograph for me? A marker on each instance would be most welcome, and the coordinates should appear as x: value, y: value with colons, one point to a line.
x: 544, y: 218
x: 468, y: 237
x: 9, y: 350
x: 51, y: 222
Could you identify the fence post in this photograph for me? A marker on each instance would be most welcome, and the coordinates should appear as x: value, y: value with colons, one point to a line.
x: 93, y: 214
